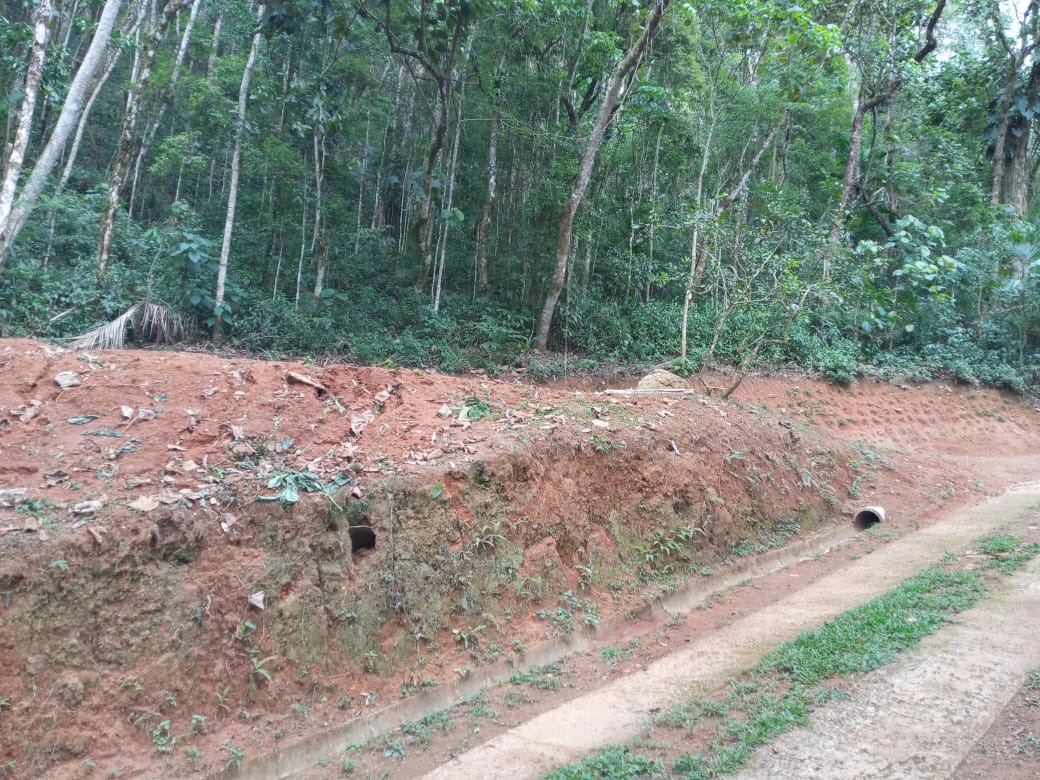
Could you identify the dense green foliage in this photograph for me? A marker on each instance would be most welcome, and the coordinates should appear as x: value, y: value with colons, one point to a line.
x: 921, y: 272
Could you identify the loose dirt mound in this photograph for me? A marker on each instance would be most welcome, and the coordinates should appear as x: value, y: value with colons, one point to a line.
x: 403, y: 529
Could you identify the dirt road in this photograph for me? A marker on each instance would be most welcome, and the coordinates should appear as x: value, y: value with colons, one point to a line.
x: 920, y: 717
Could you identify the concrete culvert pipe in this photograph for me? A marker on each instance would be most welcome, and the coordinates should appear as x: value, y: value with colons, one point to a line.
x: 868, y: 516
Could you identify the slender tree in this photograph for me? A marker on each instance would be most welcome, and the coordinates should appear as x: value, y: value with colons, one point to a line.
x: 236, y: 168
x: 68, y: 117
x: 120, y: 167
x: 16, y: 153
x: 606, y: 114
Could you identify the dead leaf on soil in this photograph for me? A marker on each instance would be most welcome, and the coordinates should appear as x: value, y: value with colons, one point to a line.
x: 88, y: 507
x: 145, y: 504
x: 67, y: 379
x: 167, y: 496
x: 26, y: 412
x: 227, y: 522
x: 97, y: 532
x: 358, y: 422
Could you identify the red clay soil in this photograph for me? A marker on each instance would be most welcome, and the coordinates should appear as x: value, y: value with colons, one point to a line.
x: 132, y: 534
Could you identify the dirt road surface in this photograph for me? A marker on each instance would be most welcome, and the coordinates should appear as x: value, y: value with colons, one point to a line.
x: 920, y: 717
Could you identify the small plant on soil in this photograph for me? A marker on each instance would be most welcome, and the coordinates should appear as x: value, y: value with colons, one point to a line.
x: 258, y: 674
x: 612, y: 656
x: 514, y: 699
x: 473, y: 410
x: 234, y: 756
x: 161, y: 738
x: 222, y: 704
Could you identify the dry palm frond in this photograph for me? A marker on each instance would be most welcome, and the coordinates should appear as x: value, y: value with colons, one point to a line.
x: 150, y: 321
x: 159, y: 324
x: 107, y: 336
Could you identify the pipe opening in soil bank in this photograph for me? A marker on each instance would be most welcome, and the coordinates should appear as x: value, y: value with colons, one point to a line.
x: 868, y: 516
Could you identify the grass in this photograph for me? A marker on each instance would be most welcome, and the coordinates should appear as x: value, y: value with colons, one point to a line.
x: 616, y: 762
x: 806, y: 672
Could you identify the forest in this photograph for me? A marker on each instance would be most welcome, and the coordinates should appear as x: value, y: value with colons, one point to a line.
x: 540, y: 185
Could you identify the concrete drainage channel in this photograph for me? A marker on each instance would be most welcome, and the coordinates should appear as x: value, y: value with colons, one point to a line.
x: 302, y: 755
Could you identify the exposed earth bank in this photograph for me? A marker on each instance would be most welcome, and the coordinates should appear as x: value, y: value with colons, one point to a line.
x: 202, y: 556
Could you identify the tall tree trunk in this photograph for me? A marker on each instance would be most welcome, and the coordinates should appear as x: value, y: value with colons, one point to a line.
x: 849, y: 179
x: 120, y: 166
x: 81, y: 126
x: 236, y: 167
x: 13, y: 156
x: 735, y: 193
x: 653, y: 212
x: 362, y: 173
x: 214, y: 48
x: 164, y: 105
x: 453, y: 164
x: 318, y: 240
x: 588, y: 161
x: 67, y: 119
x: 484, y: 228
x: 423, y: 229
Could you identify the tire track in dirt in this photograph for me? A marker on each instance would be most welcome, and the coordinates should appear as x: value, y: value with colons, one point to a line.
x: 615, y: 713
x: 920, y: 717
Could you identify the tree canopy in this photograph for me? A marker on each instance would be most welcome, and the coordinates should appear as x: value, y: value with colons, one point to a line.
x: 846, y: 186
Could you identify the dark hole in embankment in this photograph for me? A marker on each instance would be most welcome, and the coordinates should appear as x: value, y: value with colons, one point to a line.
x: 868, y: 517
x: 362, y: 538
